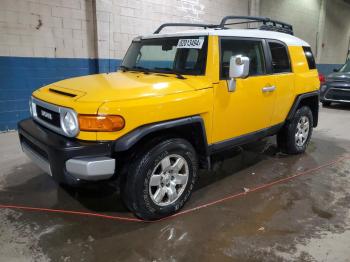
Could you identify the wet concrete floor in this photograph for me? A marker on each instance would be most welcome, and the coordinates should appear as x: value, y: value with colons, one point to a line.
x: 305, y: 219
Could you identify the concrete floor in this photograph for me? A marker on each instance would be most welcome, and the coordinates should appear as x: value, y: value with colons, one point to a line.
x: 306, y: 219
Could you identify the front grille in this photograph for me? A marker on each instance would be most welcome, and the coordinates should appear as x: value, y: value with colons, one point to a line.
x: 338, y: 94
x: 34, y: 147
x: 48, y: 116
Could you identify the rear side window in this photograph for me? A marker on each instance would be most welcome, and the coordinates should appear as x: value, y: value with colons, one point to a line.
x: 280, y: 58
x: 309, y: 57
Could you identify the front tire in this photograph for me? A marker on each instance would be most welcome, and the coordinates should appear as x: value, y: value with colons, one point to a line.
x: 296, y: 134
x: 326, y: 103
x: 161, y: 179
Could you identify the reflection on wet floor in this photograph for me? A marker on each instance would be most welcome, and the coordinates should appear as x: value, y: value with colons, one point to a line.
x: 274, y: 224
x: 245, y: 167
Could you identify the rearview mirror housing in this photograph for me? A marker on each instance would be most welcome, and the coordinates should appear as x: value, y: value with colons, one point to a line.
x: 239, y: 68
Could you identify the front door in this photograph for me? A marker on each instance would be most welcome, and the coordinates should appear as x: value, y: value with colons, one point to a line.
x: 250, y: 106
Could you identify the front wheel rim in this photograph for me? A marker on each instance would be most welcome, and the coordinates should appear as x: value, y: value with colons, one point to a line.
x: 168, y: 180
x: 302, y: 132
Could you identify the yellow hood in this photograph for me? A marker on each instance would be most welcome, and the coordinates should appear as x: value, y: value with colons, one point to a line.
x: 120, y: 86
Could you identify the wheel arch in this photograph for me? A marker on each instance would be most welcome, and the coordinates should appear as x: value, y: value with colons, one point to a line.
x: 190, y: 128
x: 311, y: 100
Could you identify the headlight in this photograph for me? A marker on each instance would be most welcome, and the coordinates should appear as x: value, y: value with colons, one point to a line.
x: 30, y: 107
x: 69, y: 123
x: 323, y: 88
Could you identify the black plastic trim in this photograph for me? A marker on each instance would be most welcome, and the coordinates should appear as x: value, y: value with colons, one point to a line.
x: 240, y: 140
x: 268, y: 57
x: 127, y: 141
x: 57, y: 149
x: 297, y: 102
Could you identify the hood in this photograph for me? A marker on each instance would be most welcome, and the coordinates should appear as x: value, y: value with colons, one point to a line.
x: 339, y: 76
x: 120, y: 86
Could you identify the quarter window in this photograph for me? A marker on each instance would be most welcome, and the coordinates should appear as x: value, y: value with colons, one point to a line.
x: 280, y: 58
x: 309, y: 57
x: 250, y: 48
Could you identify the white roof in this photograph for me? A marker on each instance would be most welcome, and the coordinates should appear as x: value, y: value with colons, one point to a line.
x: 249, y: 33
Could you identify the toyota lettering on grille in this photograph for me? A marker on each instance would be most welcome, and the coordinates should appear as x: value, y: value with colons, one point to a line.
x: 46, y: 114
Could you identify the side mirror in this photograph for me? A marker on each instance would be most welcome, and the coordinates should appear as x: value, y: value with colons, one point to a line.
x: 239, y: 68
x: 335, y: 70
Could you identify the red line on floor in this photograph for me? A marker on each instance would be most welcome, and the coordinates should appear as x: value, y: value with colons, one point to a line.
x: 71, y: 212
x: 133, y: 219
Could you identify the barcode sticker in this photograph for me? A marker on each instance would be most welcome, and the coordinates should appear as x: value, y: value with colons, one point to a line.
x: 190, y: 43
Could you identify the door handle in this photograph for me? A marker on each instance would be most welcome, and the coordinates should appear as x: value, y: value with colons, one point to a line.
x: 268, y: 89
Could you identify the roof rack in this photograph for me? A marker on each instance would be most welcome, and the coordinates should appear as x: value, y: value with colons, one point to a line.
x: 183, y: 24
x: 267, y: 24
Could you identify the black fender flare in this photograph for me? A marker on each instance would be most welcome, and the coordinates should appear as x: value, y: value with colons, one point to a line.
x: 130, y: 139
x: 299, y: 100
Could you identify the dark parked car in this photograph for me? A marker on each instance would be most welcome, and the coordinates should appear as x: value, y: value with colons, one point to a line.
x: 336, y: 87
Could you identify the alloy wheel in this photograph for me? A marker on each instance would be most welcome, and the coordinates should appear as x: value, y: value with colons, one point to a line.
x: 168, y: 180
x: 302, y: 132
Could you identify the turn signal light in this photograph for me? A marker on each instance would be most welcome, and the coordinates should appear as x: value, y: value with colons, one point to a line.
x: 101, y: 123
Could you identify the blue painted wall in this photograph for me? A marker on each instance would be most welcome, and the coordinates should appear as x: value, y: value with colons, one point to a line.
x: 20, y: 76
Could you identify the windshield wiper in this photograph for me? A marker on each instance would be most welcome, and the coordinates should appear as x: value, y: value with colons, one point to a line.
x: 178, y: 75
x: 124, y: 68
x: 136, y: 68
x: 142, y: 69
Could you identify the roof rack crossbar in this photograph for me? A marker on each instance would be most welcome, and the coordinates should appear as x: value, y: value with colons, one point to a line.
x: 267, y: 23
x: 184, y: 25
x: 240, y: 23
x: 251, y: 18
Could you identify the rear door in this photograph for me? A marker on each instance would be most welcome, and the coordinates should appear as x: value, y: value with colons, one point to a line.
x: 283, y: 78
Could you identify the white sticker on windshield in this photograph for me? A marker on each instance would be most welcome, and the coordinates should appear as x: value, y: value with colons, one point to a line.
x: 190, y: 43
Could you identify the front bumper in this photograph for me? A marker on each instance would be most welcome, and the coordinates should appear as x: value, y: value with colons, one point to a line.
x: 335, y: 92
x: 67, y: 160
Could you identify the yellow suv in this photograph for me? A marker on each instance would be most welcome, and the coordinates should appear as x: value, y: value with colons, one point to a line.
x: 177, y: 99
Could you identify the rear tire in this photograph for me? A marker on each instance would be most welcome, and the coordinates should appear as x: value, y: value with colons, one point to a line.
x: 160, y: 179
x: 296, y: 134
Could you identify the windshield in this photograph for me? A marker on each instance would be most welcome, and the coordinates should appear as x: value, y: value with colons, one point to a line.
x: 345, y: 68
x: 179, y: 55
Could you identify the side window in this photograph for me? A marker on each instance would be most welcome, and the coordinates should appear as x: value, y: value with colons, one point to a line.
x: 250, y: 48
x: 309, y: 57
x: 280, y: 58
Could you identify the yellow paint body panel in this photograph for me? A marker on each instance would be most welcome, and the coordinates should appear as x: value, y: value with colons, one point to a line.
x: 139, y: 112
x: 150, y: 98
x: 243, y: 111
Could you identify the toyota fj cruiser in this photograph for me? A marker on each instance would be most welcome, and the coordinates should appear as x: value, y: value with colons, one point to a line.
x: 177, y: 99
